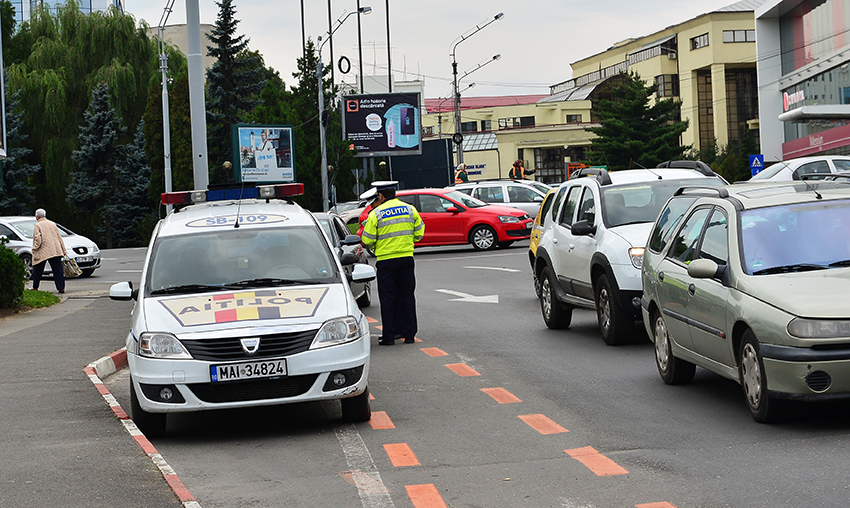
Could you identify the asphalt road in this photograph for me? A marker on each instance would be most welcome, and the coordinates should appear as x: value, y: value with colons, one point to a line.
x: 500, y: 429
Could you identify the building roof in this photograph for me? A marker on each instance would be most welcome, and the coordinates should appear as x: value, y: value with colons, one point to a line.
x: 437, y: 105
x: 742, y: 6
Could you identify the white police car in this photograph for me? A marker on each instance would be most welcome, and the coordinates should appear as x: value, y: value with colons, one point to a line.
x: 243, y: 303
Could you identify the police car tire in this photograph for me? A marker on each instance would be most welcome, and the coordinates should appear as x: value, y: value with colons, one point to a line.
x: 151, y: 424
x: 365, y: 299
x: 357, y: 409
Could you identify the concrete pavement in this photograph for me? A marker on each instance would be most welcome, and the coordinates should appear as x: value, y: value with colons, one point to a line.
x: 63, y: 445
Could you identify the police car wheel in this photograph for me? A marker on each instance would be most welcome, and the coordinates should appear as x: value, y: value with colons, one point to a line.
x: 483, y: 238
x: 151, y: 424
x: 357, y: 409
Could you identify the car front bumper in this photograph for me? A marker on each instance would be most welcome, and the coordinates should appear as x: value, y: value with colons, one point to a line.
x: 805, y: 373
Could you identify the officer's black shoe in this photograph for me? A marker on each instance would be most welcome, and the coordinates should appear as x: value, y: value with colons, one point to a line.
x: 409, y: 341
x: 386, y: 342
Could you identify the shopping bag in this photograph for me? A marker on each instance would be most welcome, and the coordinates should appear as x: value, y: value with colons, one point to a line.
x: 70, y: 267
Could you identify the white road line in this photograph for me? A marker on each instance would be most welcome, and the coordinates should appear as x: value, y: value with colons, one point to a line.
x: 128, y: 271
x: 493, y: 268
x: 364, y: 473
x: 419, y: 259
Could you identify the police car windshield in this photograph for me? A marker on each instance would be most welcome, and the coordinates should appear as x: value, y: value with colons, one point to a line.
x: 465, y: 200
x: 257, y: 257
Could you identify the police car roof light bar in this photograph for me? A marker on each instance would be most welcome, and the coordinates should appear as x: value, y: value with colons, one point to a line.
x: 281, y: 190
x: 263, y: 192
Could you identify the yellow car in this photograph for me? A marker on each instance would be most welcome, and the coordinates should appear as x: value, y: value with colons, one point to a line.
x: 537, y: 230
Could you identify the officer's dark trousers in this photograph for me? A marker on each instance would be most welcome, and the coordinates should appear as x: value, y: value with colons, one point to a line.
x: 396, y: 285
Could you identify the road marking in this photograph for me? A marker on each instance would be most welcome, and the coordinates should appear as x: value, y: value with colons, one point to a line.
x: 501, y: 395
x: 475, y: 256
x: 381, y: 420
x: 465, y: 297
x: 512, y: 270
x: 596, y: 462
x: 542, y: 424
x: 425, y: 496
x: 128, y: 271
x: 363, y: 472
x: 462, y: 369
x: 433, y: 351
x: 371, y: 319
x: 401, y: 455
x: 655, y: 505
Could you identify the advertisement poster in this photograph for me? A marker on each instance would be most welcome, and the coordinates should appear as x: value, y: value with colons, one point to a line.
x: 263, y: 154
x: 382, y: 124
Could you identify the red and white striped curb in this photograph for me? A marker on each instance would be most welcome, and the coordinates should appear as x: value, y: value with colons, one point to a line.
x: 110, y: 364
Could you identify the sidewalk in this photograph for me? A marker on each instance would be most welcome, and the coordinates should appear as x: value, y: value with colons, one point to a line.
x: 63, y: 444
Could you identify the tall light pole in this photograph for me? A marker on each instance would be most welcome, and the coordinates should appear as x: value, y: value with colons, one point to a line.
x: 166, y: 122
x: 462, y: 38
x: 323, y: 115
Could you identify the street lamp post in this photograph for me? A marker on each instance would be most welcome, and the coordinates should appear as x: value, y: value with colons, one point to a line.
x: 323, y: 115
x: 440, y: 111
x: 463, y: 37
x: 166, y: 122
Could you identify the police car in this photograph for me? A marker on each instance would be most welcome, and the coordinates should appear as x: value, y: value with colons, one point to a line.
x: 243, y: 303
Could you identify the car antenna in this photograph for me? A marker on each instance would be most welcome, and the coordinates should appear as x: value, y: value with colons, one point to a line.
x: 641, y: 167
x: 239, y: 205
x: 813, y: 189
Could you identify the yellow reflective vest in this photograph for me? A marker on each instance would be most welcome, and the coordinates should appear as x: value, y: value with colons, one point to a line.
x: 392, y: 228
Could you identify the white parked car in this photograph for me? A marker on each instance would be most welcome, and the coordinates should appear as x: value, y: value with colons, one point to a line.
x: 244, y: 303
x: 19, y: 230
x: 793, y: 169
x: 512, y: 193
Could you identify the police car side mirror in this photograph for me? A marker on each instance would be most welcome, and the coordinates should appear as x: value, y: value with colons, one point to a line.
x: 123, y: 291
x: 351, y: 240
x: 349, y: 258
x: 363, y: 273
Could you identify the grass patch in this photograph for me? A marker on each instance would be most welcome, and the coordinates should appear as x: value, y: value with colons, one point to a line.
x: 33, y: 298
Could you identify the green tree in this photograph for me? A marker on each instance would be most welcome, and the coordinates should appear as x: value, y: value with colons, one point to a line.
x: 233, y: 83
x: 7, y: 25
x: 130, y: 204
x: 57, y: 58
x: 95, y: 185
x: 633, y: 130
x: 16, y: 191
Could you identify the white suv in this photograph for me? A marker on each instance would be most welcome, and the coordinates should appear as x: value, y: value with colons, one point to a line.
x: 512, y: 193
x: 244, y: 303
x: 591, y: 249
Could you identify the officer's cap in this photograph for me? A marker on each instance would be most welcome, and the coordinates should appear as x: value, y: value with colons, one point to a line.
x: 369, y: 194
x: 383, y: 185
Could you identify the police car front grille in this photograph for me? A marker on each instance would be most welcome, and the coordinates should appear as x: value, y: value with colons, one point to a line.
x: 230, y: 349
x: 262, y: 389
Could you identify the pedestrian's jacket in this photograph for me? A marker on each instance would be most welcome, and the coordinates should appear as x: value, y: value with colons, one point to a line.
x: 519, y: 173
x: 46, y: 242
x: 392, y: 228
x: 460, y: 176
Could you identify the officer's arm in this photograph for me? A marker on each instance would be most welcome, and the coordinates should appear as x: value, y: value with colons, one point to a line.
x: 370, y: 230
x: 418, y: 225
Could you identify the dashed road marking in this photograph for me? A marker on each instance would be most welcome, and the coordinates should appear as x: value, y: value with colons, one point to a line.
x: 655, y: 505
x: 596, y: 462
x: 425, y: 496
x: 401, y: 455
x: 462, y: 369
x: 433, y: 351
x: 381, y: 420
x: 542, y: 424
x: 501, y: 395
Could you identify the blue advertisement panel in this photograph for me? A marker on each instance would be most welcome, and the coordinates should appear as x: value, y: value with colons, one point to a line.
x: 382, y: 124
x: 263, y: 153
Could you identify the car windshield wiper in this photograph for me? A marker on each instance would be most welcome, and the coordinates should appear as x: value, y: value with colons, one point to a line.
x: 802, y: 267
x: 837, y: 264
x: 268, y: 282
x: 193, y: 288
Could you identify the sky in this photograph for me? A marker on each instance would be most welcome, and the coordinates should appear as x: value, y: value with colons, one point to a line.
x: 537, y: 39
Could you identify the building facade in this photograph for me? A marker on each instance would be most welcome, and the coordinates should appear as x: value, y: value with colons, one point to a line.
x: 804, y: 87
x: 25, y: 8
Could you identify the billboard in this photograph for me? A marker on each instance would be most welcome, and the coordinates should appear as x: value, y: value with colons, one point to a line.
x: 263, y: 153
x: 382, y: 124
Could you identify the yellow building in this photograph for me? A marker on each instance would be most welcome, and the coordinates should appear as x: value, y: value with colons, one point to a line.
x: 708, y: 62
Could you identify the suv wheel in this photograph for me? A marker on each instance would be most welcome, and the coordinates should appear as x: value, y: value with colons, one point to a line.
x: 614, y: 324
x: 483, y: 238
x: 555, y: 315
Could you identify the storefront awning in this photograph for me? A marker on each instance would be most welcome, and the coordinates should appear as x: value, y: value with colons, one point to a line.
x: 823, y: 112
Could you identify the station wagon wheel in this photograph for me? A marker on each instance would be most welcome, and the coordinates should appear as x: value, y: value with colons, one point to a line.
x: 754, y: 382
x: 151, y: 424
x: 483, y: 238
x: 614, y: 324
x: 555, y: 315
x: 673, y: 370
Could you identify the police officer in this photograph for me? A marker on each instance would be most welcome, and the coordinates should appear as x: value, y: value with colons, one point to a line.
x: 391, y: 229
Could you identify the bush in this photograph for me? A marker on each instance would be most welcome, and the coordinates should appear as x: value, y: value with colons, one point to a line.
x: 12, y: 278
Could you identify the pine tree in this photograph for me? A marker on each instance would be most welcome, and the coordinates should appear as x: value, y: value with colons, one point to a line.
x: 130, y: 203
x: 633, y: 132
x: 16, y: 191
x: 233, y: 83
x: 94, y: 185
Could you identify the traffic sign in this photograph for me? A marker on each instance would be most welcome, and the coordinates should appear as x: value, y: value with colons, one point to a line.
x: 756, y: 163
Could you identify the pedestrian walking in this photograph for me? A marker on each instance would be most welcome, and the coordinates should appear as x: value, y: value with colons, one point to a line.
x: 518, y: 172
x: 460, y: 174
x: 47, y: 247
x: 392, y: 228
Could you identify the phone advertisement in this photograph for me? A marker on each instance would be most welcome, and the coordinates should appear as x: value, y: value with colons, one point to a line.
x: 382, y: 124
x: 263, y: 153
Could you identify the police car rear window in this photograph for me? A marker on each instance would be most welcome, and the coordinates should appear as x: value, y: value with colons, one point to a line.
x: 296, y: 255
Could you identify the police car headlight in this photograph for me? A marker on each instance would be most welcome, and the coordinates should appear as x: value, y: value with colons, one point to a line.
x: 336, y: 331
x: 505, y: 219
x: 161, y: 345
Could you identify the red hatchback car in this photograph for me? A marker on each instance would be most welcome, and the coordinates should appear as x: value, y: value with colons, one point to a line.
x: 455, y: 218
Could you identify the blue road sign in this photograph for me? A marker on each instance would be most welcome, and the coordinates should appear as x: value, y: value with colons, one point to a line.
x: 756, y: 163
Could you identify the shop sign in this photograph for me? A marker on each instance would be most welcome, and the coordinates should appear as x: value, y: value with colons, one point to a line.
x: 789, y: 100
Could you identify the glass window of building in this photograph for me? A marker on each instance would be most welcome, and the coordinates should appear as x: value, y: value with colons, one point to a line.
x: 667, y: 85
x: 468, y: 126
x: 486, y: 125
x: 573, y: 118
x: 700, y: 41
x: 739, y: 36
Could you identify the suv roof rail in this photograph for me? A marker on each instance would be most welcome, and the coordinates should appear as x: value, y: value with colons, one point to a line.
x: 700, y: 166
x: 599, y: 173
x: 720, y: 191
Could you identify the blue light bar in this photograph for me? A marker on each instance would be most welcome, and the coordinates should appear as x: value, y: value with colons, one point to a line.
x: 228, y: 194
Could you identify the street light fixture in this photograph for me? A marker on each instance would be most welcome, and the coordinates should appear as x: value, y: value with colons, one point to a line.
x: 480, y: 65
x: 462, y: 38
x: 323, y: 115
x: 166, y: 122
